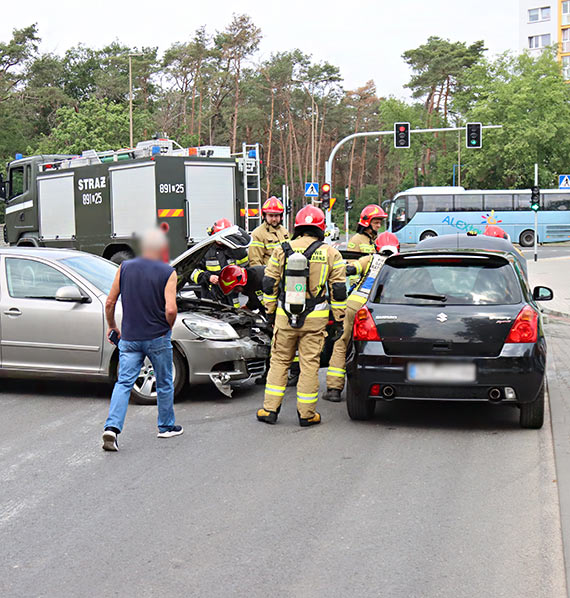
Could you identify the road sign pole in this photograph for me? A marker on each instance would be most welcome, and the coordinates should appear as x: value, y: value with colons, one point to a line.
x: 346, y: 212
x: 536, y: 217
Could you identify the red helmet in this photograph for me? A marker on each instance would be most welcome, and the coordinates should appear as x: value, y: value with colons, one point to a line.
x: 495, y: 231
x: 232, y: 276
x: 311, y: 216
x: 387, y: 244
x: 219, y: 225
x: 272, y: 206
x: 369, y: 213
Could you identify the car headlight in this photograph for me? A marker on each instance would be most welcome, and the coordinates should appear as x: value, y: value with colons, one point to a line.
x: 210, y: 328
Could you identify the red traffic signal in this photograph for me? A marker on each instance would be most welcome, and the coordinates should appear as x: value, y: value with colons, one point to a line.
x: 402, y: 135
x: 325, y: 188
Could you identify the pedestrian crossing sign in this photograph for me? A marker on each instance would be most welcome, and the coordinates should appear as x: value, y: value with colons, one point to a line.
x: 311, y: 189
x: 564, y: 181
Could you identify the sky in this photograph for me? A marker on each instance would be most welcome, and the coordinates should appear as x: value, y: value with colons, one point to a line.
x: 364, y: 38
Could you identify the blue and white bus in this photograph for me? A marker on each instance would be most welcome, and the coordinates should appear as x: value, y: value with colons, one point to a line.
x: 423, y: 212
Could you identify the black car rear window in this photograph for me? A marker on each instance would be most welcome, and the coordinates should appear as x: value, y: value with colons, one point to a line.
x: 448, y: 281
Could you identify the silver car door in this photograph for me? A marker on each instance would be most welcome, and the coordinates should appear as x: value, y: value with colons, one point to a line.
x: 41, y: 332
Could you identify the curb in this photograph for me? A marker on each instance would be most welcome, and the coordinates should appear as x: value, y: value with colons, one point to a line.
x: 552, y: 312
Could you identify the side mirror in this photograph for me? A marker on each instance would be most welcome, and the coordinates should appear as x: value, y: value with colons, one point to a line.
x: 2, y: 189
x: 70, y: 293
x: 542, y: 294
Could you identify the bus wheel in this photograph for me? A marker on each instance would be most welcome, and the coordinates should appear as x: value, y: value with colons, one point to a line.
x: 527, y: 238
x: 427, y: 234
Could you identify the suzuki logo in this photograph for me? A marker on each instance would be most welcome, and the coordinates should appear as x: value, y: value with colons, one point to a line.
x: 441, y: 317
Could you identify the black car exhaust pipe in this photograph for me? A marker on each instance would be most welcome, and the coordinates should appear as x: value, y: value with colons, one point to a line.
x: 494, y: 394
x: 388, y: 392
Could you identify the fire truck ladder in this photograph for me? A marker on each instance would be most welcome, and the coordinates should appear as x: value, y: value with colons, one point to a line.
x: 252, y: 185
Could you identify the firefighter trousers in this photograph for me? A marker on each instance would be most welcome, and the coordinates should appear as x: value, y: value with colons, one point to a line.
x: 286, y: 341
x: 336, y: 371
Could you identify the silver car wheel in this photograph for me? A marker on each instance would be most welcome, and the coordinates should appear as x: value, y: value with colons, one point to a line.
x: 145, y: 384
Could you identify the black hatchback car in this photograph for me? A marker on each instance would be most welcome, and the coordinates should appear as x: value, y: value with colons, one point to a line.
x: 450, y: 325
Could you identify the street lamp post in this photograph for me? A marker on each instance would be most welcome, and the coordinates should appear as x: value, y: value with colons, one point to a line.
x: 131, y: 142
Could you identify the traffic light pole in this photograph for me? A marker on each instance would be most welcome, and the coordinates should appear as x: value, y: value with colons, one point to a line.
x: 536, y: 216
x: 346, y: 212
x: 329, y: 162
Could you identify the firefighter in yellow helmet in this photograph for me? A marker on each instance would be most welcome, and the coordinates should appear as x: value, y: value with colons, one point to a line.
x: 299, y: 279
x: 367, y: 230
x: 269, y: 234
x: 366, y: 268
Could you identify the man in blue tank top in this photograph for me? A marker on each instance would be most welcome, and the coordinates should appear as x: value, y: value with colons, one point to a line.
x: 147, y: 287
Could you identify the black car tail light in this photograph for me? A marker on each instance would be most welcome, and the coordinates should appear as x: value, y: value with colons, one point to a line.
x: 364, y: 326
x: 525, y: 327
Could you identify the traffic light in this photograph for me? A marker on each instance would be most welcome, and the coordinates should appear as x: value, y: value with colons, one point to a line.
x: 474, y: 135
x: 535, y: 198
x: 325, y: 196
x: 348, y: 204
x: 402, y: 135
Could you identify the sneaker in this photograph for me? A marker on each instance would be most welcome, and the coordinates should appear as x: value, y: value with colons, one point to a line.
x: 174, y: 431
x: 333, y: 395
x: 110, y: 441
x: 304, y: 422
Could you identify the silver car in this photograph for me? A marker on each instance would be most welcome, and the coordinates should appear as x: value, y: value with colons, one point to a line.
x: 52, y: 322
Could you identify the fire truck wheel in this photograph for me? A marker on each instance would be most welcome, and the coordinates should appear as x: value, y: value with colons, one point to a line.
x: 119, y: 257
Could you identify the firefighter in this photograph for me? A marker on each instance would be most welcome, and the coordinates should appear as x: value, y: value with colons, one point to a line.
x: 367, y: 230
x: 268, y: 235
x: 208, y: 272
x: 299, y: 280
x: 366, y: 267
x: 235, y: 279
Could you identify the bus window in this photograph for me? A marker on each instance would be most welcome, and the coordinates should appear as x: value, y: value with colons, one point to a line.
x: 555, y: 201
x: 499, y: 202
x: 437, y: 203
x: 469, y: 202
x: 522, y: 201
x: 399, y: 215
x: 16, y: 182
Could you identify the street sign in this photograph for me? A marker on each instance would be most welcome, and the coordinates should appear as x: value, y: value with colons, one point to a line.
x: 311, y: 189
x: 333, y: 199
x: 564, y: 181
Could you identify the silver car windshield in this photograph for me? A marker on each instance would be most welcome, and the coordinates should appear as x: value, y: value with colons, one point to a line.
x: 97, y: 271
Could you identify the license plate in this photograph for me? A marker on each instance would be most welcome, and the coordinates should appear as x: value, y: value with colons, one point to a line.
x: 450, y: 373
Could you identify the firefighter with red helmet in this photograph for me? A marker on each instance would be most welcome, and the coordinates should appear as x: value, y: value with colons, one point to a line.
x: 217, y: 257
x: 248, y: 281
x: 304, y: 280
x: 269, y: 234
x: 367, y: 230
x: 365, y: 268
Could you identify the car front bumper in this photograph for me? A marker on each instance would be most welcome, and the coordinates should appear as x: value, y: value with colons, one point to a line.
x: 228, y: 361
x: 519, y: 366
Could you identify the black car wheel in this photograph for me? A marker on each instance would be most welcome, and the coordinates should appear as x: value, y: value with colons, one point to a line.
x: 526, y: 238
x: 427, y: 234
x: 121, y: 256
x: 532, y: 414
x: 358, y: 408
x: 144, y: 390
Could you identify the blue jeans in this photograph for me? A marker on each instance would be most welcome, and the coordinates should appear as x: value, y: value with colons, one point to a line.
x: 131, y: 359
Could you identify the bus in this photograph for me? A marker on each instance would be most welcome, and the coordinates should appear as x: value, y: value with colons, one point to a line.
x: 423, y: 212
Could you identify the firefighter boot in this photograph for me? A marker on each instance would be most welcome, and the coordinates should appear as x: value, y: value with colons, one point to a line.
x: 269, y: 417
x: 305, y: 422
x: 332, y: 395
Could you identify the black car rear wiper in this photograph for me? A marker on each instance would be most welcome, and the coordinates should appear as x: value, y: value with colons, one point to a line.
x: 426, y: 296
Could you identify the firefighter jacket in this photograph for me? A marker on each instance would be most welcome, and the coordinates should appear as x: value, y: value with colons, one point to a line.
x: 264, y: 239
x: 363, y: 242
x: 216, y: 258
x: 367, y: 268
x: 326, y: 282
x: 253, y: 289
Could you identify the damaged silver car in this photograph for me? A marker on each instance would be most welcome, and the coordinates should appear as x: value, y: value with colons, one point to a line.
x: 52, y: 322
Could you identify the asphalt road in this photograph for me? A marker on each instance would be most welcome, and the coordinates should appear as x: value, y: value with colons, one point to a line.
x: 428, y: 500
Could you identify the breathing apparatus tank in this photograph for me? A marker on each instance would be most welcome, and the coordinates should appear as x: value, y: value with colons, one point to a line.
x: 296, y: 275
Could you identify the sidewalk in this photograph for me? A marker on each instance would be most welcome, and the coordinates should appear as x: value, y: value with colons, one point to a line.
x: 553, y: 272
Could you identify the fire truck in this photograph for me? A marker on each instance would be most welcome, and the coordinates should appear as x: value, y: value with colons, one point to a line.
x: 100, y: 202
